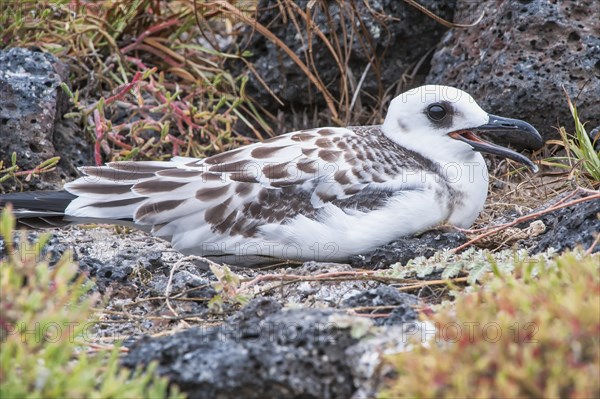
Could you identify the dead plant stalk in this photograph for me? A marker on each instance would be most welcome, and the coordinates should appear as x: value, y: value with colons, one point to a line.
x: 493, y: 230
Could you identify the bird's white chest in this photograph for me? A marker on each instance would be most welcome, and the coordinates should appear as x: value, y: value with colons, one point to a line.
x: 470, y: 181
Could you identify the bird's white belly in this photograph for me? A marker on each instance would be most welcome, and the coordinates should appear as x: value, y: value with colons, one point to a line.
x: 337, y: 234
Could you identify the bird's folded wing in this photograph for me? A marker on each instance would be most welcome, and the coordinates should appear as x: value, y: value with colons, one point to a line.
x: 235, y: 192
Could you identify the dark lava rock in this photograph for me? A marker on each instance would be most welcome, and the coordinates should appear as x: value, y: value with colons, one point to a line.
x: 568, y: 227
x: 385, y: 295
x: 52, y: 251
x: 255, y: 311
x: 142, y: 270
x: 516, y: 60
x: 407, y: 248
x: 182, y: 281
x: 106, y: 273
x: 31, y: 108
x: 395, y: 32
x: 31, y: 102
x: 265, y: 352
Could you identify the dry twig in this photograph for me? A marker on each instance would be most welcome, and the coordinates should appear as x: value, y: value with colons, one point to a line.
x: 561, y: 204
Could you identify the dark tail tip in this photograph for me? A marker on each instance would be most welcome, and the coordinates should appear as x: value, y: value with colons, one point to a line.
x: 38, y: 209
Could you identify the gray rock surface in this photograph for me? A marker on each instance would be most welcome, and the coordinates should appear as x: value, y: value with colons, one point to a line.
x: 406, y: 248
x: 398, y: 306
x: 31, y: 106
x: 517, y: 59
x: 30, y: 103
x: 264, y: 352
x: 569, y: 227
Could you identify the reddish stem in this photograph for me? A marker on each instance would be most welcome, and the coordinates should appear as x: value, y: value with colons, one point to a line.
x: 148, y: 32
x: 137, y: 62
x: 99, y: 129
x: 124, y: 89
x: 118, y: 142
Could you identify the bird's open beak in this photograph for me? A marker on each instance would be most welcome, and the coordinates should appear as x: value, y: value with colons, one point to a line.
x: 500, y: 124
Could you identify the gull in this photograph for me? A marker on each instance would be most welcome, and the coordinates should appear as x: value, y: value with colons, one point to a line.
x: 320, y: 194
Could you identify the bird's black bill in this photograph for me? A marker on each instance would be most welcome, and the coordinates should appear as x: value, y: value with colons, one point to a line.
x: 500, y: 124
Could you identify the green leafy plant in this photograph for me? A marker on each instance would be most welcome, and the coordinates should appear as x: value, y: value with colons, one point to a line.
x: 45, y: 325
x: 227, y: 286
x: 530, y: 333
x: 13, y: 171
x: 581, y: 156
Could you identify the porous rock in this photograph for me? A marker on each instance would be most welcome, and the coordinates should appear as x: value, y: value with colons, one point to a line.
x: 32, y: 104
x: 515, y: 62
x: 52, y: 251
x: 265, y: 352
x: 397, y: 305
x: 570, y: 227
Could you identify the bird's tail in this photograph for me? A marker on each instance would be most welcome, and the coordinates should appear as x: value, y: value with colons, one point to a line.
x: 105, y: 194
x: 48, y: 209
x: 39, y: 209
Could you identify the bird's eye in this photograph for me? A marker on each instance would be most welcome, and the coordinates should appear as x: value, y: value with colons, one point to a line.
x: 436, y: 112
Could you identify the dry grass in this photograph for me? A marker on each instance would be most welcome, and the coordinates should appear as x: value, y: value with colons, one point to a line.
x: 340, y: 37
x: 191, y: 104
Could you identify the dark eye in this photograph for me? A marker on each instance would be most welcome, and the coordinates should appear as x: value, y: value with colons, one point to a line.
x: 436, y: 112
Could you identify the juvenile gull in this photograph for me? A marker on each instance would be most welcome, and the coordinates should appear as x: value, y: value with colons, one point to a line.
x: 322, y: 194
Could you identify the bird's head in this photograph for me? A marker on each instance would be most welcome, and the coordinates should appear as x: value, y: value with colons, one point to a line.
x: 443, y: 115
